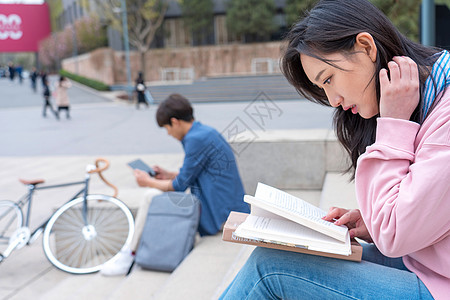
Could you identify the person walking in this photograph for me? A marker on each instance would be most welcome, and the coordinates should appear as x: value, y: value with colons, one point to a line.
x: 43, y: 75
x: 47, y: 103
x: 33, y: 77
x: 140, y: 90
x: 12, y: 71
x: 19, y: 70
x: 61, y: 96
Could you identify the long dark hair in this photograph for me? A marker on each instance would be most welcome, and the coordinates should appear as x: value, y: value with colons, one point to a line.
x: 331, y: 27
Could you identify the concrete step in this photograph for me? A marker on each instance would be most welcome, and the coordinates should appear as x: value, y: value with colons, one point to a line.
x: 44, y: 282
x: 140, y: 284
x: 27, y: 273
x: 206, y: 271
x: 274, y: 86
x: 68, y: 288
x: 338, y: 191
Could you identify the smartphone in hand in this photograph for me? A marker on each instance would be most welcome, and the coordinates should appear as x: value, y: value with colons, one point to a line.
x: 139, y: 164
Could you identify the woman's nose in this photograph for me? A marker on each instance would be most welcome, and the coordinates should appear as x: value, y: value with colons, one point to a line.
x: 335, y: 100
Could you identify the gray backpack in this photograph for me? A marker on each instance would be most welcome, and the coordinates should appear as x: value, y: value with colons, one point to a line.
x: 169, y: 231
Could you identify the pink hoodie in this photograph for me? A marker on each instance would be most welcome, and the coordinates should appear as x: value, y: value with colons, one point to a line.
x: 403, y: 191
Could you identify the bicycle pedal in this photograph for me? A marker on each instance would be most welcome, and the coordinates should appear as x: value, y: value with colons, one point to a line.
x: 19, y: 238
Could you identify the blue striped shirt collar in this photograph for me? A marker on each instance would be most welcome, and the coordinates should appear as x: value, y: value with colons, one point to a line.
x: 438, y: 80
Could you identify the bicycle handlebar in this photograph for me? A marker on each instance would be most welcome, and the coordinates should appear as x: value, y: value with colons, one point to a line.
x: 99, y: 170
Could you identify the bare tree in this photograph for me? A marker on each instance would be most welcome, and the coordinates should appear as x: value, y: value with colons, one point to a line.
x: 144, y: 19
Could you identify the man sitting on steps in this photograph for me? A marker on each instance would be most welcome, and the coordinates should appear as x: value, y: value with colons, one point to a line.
x: 209, y: 170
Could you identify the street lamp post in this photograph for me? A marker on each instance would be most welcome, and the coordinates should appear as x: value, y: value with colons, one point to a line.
x: 126, y: 47
x: 75, y: 47
x: 428, y: 23
x: 75, y: 42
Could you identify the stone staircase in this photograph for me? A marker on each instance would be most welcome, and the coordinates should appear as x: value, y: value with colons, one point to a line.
x: 204, y: 274
x: 206, y: 271
x: 244, y: 88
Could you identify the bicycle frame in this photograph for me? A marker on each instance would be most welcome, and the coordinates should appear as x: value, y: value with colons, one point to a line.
x: 28, y: 197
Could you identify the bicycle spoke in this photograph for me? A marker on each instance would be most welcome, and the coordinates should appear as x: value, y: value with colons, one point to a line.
x: 99, y: 217
x: 83, y: 256
x: 111, y: 246
x: 72, y: 217
x: 67, y: 250
x: 103, y: 251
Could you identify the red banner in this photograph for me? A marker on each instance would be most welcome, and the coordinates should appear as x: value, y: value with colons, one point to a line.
x: 23, y: 26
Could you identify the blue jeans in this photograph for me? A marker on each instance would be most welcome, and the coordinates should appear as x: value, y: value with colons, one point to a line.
x: 276, y: 274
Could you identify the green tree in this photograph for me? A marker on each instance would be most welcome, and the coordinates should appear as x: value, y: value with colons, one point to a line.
x: 403, y: 13
x: 295, y: 9
x: 198, y: 15
x: 56, y: 9
x: 144, y: 18
x: 446, y: 2
x: 252, y: 19
x: 91, y: 34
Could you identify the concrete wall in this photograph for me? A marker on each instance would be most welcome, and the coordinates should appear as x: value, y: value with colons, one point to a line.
x: 109, y: 66
x: 289, y: 159
x: 98, y: 64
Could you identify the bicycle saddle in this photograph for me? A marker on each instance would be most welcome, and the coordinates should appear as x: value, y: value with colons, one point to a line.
x: 32, y: 181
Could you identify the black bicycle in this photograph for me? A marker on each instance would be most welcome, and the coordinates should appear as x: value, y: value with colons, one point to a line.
x: 80, y: 236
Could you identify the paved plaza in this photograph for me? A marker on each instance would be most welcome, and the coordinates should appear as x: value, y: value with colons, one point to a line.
x: 103, y: 126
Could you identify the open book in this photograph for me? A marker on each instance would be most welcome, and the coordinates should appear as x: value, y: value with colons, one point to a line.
x: 279, y: 218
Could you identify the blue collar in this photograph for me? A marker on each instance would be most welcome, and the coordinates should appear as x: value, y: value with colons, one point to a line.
x: 195, y: 124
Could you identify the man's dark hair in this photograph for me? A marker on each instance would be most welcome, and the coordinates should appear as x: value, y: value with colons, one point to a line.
x: 175, y: 106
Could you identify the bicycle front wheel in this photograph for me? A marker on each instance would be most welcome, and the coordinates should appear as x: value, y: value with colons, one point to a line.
x: 11, y: 219
x: 79, y: 248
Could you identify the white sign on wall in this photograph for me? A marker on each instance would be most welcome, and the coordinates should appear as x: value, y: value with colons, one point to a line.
x: 10, y: 27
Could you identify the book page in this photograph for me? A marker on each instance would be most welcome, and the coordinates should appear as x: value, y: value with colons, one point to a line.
x: 296, y: 206
x: 257, y: 211
x: 283, y: 199
x: 289, y: 232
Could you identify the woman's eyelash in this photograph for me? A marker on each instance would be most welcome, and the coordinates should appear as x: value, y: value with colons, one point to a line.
x: 319, y: 87
x: 327, y: 81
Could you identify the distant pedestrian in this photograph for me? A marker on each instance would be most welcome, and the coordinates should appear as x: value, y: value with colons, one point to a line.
x: 43, y: 77
x: 19, y: 70
x: 47, y: 103
x: 33, y: 77
x: 12, y: 71
x: 61, y: 96
x: 140, y: 90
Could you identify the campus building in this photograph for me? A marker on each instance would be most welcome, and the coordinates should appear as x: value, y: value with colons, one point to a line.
x: 173, y: 32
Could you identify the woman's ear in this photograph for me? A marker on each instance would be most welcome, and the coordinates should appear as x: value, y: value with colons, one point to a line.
x: 364, y: 42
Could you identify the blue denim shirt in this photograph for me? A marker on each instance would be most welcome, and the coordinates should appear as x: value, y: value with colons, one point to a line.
x: 210, y: 171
